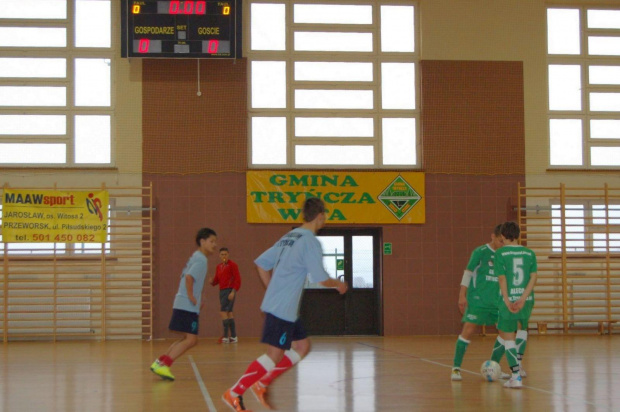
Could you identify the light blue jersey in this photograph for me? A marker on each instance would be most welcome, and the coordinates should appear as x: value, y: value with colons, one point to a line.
x: 296, y: 255
x: 196, y: 267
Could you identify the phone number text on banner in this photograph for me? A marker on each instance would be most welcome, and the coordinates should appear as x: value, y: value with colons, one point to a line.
x: 54, y: 216
x: 350, y: 197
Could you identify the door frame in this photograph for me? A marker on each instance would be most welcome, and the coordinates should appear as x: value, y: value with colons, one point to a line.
x: 377, y: 234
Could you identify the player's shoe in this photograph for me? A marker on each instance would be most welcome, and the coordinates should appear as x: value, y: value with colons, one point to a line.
x: 260, y: 392
x: 504, y: 376
x: 514, y: 383
x: 155, y: 365
x: 223, y: 340
x: 522, y: 372
x: 456, y: 375
x: 163, y: 371
x: 233, y: 402
x: 233, y: 340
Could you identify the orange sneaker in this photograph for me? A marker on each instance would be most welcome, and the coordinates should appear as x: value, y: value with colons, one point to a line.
x: 233, y: 402
x: 260, y: 392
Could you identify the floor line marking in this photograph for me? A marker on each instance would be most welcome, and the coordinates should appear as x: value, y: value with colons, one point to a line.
x: 203, y: 388
x: 477, y: 373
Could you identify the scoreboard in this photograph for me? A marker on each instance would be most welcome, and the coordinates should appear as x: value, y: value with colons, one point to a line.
x: 186, y: 29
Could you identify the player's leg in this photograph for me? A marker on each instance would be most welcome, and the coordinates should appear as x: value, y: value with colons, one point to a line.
x: 299, y: 349
x: 189, y: 341
x: 164, y: 361
x: 233, y: 328
x: 507, y: 330
x: 521, y: 342
x: 224, y: 315
x: 183, y: 322
x: 471, y: 319
x: 277, y: 335
x: 231, y: 319
x: 462, y: 343
x: 499, y: 346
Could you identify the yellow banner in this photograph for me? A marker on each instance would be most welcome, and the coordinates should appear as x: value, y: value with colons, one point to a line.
x: 350, y: 197
x: 53, y: 216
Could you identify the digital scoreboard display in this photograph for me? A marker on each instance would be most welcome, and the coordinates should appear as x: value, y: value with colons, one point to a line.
x: 185, y: 29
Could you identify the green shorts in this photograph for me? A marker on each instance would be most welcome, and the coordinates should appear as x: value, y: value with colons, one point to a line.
x: 480, y: 316
x: 512, y: 325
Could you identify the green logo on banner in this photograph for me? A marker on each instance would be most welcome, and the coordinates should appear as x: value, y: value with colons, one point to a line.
x: 399, y: 197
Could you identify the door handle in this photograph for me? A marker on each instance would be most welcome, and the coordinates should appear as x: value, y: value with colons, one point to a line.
x: 340, y: 278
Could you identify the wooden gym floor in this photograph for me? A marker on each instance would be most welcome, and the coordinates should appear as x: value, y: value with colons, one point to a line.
x: 565, y: 373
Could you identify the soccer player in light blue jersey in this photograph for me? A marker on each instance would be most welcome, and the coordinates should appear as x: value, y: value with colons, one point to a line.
x: 283, y: 268
x: 187, y: 304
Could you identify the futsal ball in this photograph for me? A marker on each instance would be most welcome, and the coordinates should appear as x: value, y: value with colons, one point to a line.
x: 491, y: 371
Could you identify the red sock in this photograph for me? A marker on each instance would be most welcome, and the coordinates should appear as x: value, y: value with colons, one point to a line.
x: 289, y: 360
x: 255, y: 371
x: 166, y: 360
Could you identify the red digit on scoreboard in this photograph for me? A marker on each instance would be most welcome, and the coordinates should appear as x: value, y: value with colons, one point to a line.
x: 212, y: 46
x: 201, y: 7
x: 188, y: 8
x: 174, y: 7
x: 143, y: 46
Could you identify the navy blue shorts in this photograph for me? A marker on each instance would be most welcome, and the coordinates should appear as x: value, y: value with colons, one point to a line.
x: 281, y: 333
x: 184, y: 321
x: 225, y: 304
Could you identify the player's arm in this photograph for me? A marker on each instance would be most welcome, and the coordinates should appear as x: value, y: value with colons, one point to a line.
x: 341, y: 287
x: 316, y: 270
x: 214, y: 280
x: 518, y: 305
x: 467, y: 275
x: 503, y: 287
x: 265, y: 275
x: 236, y: 280
x: 237, y: 277
x: 203, y: 301
x: 189, y: 286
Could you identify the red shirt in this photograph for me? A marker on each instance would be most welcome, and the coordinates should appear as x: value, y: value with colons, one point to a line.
x: 227, y: 275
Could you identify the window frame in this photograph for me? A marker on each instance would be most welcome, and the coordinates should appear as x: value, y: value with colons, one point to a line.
x: 585, y: 115
x: 70, y: 53
x: 376, y: 58
x: 589, y: 228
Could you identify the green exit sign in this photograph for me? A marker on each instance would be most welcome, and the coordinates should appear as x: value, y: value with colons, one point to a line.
x: 387, y: 248
x: 339, y: 264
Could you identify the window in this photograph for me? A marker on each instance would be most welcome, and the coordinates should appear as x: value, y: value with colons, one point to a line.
x: 333, y: 85
x: 583, y: 52
x: 589, y: 227
x: 56, y: 100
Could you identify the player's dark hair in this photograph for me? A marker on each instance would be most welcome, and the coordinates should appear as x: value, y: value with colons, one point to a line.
x: 312, y: 208
x: 204, y: 233
x: 223, y: 249
x: 511, y: 231
x: 498, y: 230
